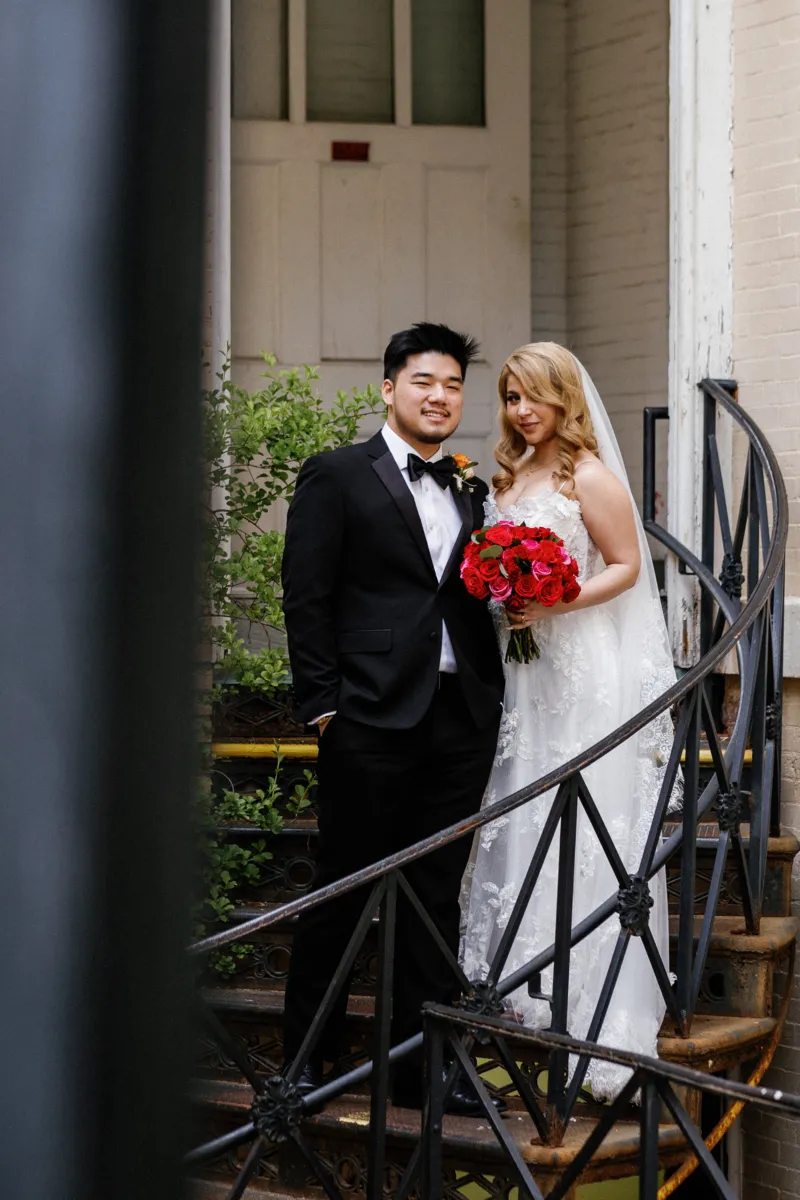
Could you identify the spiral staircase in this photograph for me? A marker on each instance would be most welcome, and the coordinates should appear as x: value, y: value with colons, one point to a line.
x: 732, y: 943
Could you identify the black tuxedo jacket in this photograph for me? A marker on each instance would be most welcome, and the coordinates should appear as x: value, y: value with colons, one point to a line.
x: 362, y: 603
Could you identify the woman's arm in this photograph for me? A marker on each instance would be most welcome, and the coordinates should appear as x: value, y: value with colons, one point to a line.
x: 608, y: 516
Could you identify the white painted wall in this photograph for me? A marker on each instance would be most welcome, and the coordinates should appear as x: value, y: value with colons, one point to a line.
x: 618, y: 207
x: 599, y: 199
x: 701, y: 273
x: 549, y: 170
x: 331, y: 258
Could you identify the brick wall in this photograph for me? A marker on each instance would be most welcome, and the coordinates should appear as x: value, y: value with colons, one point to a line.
x: 767, y: 365
x: 549, y: 170
x: 600, y: 193
x: 767, y: 233
x: 772, y: 1142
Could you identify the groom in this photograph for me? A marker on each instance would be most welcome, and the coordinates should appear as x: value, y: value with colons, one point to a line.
x: 398, y: 668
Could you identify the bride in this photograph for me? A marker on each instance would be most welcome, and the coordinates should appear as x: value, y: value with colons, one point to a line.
x: 603, y: 657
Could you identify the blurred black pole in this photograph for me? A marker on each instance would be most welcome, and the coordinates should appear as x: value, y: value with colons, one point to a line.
x: 102, y: 110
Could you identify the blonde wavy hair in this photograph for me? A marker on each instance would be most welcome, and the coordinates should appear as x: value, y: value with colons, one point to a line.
x: 549, y: 374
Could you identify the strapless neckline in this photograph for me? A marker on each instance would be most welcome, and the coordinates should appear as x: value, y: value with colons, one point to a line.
x: 546, y: 493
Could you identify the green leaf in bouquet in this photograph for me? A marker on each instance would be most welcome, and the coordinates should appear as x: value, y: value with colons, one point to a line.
x: 491, y: 552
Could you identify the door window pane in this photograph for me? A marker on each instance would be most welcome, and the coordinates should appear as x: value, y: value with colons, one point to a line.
x: 349, y: 60
x: 260, y: 55
x: 447, y: 50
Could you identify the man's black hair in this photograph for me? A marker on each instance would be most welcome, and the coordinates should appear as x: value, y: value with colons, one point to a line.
x: 424, y: 337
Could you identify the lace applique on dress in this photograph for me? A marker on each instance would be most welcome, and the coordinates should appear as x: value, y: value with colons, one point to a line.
x: 555, y: 708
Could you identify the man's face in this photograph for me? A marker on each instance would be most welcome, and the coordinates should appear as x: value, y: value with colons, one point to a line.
x: 425, y: 401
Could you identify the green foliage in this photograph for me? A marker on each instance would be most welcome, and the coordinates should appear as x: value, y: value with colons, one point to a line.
x: 226, y: 866
x: 255, y: 444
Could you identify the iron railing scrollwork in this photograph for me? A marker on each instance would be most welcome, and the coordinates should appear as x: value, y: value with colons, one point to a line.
x: 750, y: 552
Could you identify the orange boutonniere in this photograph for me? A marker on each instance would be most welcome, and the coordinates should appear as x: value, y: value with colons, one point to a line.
x: 465, y: 473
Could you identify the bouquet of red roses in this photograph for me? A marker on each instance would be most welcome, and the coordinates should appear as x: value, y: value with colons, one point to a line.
x: 514, y: 563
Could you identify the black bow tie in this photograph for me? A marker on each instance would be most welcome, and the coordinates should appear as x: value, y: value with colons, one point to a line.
x: 443, y: 470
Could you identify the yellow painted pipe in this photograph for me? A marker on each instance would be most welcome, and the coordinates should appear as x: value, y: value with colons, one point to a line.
x: 309, y: 750
x: 705, y: 759
x: 263, y: 749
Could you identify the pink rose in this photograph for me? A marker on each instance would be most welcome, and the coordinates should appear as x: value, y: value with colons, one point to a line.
x: 540, y: 570
x: 500, y: 588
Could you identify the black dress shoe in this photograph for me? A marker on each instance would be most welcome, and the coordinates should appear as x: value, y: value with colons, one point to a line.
x: 462, y: 1102
x: 309, y: 1079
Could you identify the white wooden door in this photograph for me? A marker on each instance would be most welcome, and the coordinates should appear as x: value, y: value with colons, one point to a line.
x: 331, y: 257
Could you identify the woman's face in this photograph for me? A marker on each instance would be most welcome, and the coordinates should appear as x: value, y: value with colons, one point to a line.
x: 535, y: 420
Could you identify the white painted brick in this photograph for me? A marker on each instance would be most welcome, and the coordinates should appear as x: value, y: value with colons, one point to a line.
x: 766, y: 135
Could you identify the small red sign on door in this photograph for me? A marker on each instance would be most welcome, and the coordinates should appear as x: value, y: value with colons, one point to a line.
x: 350, y: 151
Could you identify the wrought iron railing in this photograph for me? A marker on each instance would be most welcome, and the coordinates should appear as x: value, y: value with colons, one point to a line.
x: 751, y: 552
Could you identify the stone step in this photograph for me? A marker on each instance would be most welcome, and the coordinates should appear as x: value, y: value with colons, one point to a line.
x: 254, y: 1016
x: 740, y: 967
x: 742, y: 987
x: 781, y: 852
x: 291, y: 871
x: 220, y: 1189
x: 339, y: 1135
x: 717, y: 1042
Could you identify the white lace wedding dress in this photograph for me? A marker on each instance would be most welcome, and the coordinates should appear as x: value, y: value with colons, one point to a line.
x: 584, y: 685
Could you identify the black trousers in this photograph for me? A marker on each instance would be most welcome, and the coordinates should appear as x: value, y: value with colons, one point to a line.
x: 381, y: 790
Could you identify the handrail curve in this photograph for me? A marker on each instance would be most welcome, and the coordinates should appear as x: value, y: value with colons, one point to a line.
x: 730, y: 640
x: 754, y: 631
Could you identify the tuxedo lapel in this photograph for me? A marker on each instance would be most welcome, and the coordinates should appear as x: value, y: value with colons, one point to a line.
x: 389, y: 474
x: 463, y: 501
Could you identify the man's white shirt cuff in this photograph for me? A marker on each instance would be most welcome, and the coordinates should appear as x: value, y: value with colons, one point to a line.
x: 322, y: 717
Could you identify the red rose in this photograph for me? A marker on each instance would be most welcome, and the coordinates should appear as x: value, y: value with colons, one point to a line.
x: 572, y: 590
x: 515, y: 604
x: 527, y: 587
x: 472, y: 550
x: 572, y: 569
x: 513, y: 571
x: 500, y: 535
x: 548, y: 553
x: 475, y: 585
x: 550, y: 591
x: 488, y: 569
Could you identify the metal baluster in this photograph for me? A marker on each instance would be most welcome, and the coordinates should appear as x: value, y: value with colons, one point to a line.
x: 776, y: 698
x: 760, y: 768
x: 382, y: 1042
x: 651, y: 415
x: 708, y: 519
x: 688, y: 867
x: 557, y: 1075
x: 648, y: 1141
x: 340, y: 977
x: 433, y: 1114
x: 528, y: 884
x: 753, y: 526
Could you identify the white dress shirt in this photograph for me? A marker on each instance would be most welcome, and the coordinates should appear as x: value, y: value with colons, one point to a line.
x: 441, y: 522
